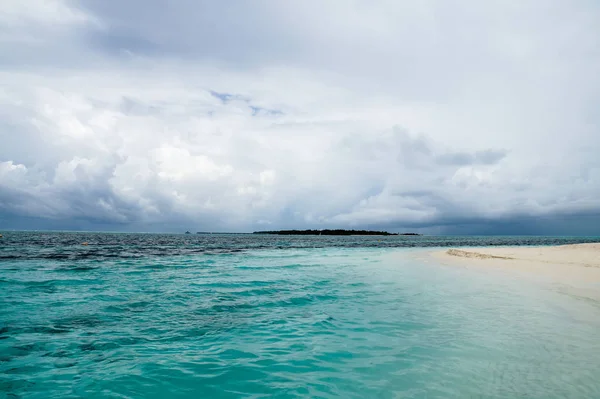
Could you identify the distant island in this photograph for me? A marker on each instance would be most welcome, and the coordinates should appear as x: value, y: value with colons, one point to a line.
x: 337, y: 232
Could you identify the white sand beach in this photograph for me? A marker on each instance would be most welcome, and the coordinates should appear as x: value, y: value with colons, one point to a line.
x: 575, y: 267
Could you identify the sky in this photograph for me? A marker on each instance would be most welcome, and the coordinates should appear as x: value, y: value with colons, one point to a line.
x: 437, y: 116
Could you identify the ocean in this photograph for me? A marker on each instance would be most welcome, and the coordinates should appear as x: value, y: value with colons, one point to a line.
x: 253, y: 316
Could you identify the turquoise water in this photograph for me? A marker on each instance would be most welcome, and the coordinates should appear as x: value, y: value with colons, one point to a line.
x: 260, y: 321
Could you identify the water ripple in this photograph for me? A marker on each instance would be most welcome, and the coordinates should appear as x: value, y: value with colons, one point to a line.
x: 304, y: 323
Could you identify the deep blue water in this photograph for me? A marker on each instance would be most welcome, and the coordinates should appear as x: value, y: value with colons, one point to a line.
x: 105, y: 246
x: 245, y: 316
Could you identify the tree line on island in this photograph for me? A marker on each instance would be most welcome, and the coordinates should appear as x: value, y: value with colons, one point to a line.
x: 336, y: 232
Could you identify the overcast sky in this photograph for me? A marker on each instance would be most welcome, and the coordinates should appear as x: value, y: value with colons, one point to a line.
x: 463, y: 117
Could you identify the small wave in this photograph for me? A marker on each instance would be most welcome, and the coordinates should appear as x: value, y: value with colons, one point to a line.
x: 219, y: 316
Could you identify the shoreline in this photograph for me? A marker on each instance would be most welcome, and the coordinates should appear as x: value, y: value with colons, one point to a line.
x: 575, y: 267
x: 578, y: 255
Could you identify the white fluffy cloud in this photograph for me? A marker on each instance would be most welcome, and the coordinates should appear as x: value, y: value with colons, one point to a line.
x: 297, y: 114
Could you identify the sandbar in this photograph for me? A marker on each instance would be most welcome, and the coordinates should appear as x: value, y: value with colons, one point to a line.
x: 576, y: 267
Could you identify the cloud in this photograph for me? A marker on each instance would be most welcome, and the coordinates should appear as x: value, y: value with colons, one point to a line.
x: 485, y: 157
x: 214, y: 117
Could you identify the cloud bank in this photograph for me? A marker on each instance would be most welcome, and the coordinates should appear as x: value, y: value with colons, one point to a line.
x: 441, y: 117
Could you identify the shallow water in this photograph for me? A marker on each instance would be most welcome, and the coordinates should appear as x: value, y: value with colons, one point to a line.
x: 296, y: 322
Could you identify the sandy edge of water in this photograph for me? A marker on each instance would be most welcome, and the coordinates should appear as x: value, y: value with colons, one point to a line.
x: 575, y: 267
